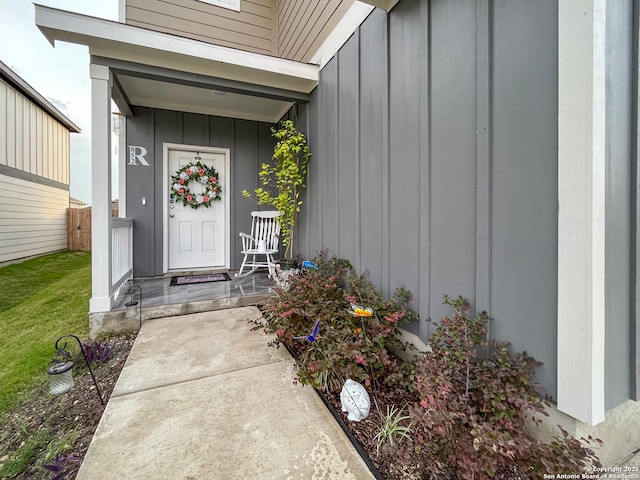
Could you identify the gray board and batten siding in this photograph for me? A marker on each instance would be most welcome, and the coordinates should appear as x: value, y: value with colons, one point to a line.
x: 618, y: 253
x: 250, y: 144
x: 409, y: 132
x: 434, y: 165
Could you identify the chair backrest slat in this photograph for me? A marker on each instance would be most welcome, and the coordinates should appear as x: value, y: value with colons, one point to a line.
x: 264, y: 226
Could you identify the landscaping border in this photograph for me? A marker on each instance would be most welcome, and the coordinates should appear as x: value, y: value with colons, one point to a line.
x: 376, y: 473
x: 345, y: 428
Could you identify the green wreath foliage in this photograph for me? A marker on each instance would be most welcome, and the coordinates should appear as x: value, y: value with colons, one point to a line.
x: 201, y: 173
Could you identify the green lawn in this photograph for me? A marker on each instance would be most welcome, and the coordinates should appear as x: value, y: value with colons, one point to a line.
x: 40, y: 300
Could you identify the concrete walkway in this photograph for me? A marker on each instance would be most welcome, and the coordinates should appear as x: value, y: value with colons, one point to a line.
x: 202, y: 397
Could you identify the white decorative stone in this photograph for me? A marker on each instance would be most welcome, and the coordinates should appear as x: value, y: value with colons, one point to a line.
x: 283, y: 277
x: 355, y: 400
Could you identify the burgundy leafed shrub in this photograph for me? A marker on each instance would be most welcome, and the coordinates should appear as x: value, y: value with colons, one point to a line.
x: 470, y: 422
x: 346, y: 346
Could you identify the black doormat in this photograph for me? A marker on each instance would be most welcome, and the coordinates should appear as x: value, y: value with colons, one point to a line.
x: 191, y: 279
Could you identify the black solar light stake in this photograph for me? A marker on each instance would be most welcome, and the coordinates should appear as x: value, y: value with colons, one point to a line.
x: 132, y: 308
x: 61, y: 374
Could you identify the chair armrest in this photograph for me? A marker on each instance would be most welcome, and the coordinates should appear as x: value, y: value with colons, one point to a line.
x: 247, y: 241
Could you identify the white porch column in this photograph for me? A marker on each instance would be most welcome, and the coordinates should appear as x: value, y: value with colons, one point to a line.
x: 122, y: 165
x: 581, y: 215
x: 101, y: 299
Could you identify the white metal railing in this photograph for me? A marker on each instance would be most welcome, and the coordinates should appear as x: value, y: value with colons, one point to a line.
x: 121, y: 251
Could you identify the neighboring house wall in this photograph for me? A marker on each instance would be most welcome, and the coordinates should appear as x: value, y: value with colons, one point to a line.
x: 34, y: 172
x: 252, y: 29
x: 304, y: 25
x: 435, y: 166
x: 250, y: 144
x: 75, y: 203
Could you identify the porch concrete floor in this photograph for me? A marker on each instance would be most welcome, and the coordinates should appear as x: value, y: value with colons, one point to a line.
x: 203, y: 397
x: 160, y: 300
x: 156, y: 291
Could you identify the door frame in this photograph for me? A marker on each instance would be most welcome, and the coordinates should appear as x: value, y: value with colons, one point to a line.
x: 226, y: 198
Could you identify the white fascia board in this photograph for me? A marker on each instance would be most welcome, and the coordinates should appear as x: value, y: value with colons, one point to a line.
x: 354, y: 17
x: 101, y: 34
x: 122, y: 11
x: 230, y: 4
x: 283, y: 112
x: 383, y: 4
x: 581, y: 214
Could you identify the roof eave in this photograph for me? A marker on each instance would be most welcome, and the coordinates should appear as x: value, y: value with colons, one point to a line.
x: 126, y: 42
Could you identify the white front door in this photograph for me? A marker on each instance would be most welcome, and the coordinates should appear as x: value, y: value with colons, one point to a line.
x: 197, y: 237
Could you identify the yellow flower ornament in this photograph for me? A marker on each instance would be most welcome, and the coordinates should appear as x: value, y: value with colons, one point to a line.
x: 359, y: 311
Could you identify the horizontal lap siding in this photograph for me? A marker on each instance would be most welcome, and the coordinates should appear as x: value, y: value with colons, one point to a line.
x: 292, y: 29
x: 34, y: 153
x: 251, y: 29
x: 303, y: 25
x: 32, y: 218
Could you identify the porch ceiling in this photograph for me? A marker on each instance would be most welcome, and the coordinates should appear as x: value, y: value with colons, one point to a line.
x: 151, y: 86
x: 177, y: 73
x: 172, y: 96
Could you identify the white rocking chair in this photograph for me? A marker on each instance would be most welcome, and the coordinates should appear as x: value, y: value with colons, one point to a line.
x: 263, y: 240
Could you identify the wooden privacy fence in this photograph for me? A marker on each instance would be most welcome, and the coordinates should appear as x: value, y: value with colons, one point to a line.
x: 79, y: 229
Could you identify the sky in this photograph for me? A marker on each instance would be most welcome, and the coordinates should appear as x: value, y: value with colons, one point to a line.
x: 59, y: 74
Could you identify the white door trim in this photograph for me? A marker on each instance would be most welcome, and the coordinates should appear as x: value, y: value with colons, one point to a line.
x: 166, y: 147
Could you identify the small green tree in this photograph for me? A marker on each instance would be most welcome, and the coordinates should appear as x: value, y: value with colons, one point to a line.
x: 284, y: 179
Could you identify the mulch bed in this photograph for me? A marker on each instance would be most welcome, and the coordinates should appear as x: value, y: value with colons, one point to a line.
x: 78, y: 409
x: 388, y: 464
